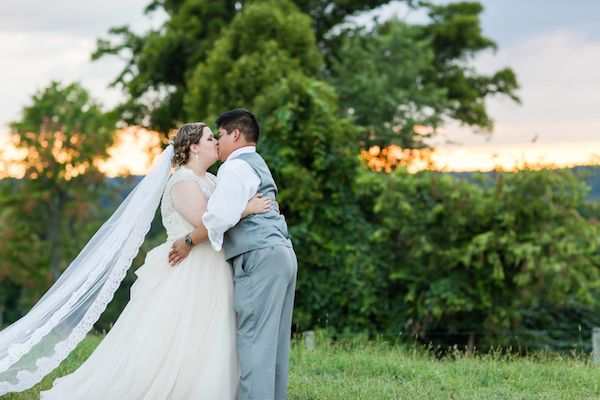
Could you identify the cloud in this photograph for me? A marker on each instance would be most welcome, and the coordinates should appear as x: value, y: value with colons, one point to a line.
x: 511, y: 21
x: 32, y: 60
x: 560, y: 90
x: 42, y: 41
x: 88, y: 18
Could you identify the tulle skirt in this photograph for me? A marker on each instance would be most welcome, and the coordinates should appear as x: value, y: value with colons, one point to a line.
x: 174, y: 340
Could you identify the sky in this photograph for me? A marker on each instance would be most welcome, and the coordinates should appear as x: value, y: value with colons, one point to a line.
x: 45, y: 40
x: 552, y: 45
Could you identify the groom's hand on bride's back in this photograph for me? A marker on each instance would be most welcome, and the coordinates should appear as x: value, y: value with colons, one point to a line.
x: 179, y: 251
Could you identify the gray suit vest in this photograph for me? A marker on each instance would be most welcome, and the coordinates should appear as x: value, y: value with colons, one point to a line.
x: 258, y: 231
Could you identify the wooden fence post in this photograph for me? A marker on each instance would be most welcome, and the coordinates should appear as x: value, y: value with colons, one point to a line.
x: 309, y: 340
x: 596, y: 345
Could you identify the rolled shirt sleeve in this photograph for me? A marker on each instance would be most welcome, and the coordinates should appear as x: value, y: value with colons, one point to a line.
x: 237, y: 183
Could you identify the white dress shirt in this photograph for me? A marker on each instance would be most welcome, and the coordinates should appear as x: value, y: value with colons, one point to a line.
x: 237, y: 182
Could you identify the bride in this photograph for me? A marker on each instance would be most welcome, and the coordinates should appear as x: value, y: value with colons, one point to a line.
x: 175, y: 339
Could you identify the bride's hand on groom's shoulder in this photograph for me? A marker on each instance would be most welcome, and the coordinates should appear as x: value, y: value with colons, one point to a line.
x: 179, y: 251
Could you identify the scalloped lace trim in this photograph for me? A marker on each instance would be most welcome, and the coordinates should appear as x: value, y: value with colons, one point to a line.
x: 27, y: 379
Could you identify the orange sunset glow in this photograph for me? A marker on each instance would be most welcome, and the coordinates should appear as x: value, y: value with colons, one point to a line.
x: 135, y: 149
x: 132, y: 153
x: 483, y: 158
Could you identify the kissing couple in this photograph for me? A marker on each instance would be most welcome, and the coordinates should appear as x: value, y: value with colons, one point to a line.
x: 210, y: 313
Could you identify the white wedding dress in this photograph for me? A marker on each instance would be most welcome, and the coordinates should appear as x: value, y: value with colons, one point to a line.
x: 175, y: 339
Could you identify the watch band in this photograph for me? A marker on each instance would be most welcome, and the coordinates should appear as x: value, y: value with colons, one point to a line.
x: 188, y: 240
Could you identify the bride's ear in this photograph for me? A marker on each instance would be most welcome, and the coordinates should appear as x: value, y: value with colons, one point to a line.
x: 194, y: 148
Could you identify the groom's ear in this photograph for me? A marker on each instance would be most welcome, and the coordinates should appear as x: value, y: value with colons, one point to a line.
x: 236, y: 134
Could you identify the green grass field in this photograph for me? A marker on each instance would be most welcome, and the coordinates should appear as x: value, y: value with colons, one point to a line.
x: 359, y: 369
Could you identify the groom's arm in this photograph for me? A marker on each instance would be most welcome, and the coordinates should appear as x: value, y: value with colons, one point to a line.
x: 237, y: 183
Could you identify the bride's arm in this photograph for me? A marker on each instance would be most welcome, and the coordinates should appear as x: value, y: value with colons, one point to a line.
x: 189, y: 201
x: 257, y: 205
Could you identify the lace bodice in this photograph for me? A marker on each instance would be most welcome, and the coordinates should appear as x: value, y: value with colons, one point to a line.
x: 174, y: 223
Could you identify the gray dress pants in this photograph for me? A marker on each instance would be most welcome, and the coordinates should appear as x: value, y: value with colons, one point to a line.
x: 264, y: 286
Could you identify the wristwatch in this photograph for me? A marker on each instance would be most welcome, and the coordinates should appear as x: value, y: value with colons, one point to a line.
x: 188, y: 240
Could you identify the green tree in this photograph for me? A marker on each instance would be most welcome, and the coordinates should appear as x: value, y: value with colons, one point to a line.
x: 398, y: 76
x: 413, y: 74
x: 381, y: 77
x: 476, y: 257
x: 261, y: 46
x: 159, y: 62
x: 48, y: 215
x: 312, y: 152
x: 456, y: 37
x: 327, y: 15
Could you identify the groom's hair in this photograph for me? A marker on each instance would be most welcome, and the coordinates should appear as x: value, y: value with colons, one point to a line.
x: 240, y: 119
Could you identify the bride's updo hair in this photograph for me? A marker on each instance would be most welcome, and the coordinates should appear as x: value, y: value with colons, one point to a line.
x: 187, y: 135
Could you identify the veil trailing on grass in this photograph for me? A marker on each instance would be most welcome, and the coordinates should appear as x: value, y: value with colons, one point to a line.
x: 37, y: 343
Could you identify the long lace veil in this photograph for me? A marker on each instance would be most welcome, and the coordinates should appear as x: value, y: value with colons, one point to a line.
x: 37, y: 343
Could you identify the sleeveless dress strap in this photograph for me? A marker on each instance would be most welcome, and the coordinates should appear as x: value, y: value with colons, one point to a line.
x: 185, y: 174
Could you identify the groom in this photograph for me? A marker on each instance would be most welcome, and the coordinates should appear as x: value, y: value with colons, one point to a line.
x: 260, y: 252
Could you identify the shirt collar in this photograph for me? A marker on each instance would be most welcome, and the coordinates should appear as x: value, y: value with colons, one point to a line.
x: 241, y: 150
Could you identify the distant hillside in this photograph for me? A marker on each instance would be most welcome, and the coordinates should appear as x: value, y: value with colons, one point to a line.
x: 592, y: 177
x: 593, y: 181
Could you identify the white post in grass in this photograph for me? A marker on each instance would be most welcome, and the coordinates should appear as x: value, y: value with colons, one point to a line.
x: 309, y: 340
x: 596, y: 346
